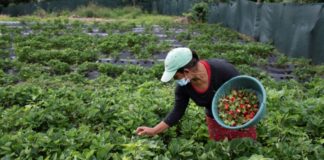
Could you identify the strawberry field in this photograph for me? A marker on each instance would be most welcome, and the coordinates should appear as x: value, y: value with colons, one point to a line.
x: 76, y: 90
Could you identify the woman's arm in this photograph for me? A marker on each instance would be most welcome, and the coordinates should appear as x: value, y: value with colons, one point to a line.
x: 181, y: 103
x: 143, y: 130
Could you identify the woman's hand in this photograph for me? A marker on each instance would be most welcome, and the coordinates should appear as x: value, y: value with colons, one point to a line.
x: 145, y: 131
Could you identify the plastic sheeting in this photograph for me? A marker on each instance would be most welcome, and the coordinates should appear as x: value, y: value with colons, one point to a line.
x: 173, y: 7
x: 296, y: 30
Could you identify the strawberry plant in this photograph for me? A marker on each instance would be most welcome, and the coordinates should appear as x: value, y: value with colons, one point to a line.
x: 67, y: 55
x: 4, y: 53
x: 58, y: 67
x: 87, y: 67
x: 49, y: 109
x: 7, y: 79
x: 238, y: 107
x: 27, y: 71
x: 112, y: 43
x: 5, y: 64
x: 4, y: 43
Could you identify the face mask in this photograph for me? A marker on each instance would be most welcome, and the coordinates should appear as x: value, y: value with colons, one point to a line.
x: 183, y: 81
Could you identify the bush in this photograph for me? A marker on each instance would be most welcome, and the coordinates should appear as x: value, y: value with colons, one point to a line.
x: 93, y: 10
x: 198, y: 12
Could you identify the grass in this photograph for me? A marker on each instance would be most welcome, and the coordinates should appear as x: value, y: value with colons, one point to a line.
x: 93, y: 10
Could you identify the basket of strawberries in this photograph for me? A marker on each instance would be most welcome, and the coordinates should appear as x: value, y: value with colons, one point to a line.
x: 239, y: 103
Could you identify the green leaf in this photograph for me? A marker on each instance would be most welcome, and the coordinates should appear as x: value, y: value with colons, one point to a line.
x: 186, y: 154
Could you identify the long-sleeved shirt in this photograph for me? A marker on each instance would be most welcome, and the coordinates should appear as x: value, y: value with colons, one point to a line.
x: 219, y: 71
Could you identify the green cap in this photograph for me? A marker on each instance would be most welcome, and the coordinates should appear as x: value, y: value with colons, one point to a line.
x: 175, y: 59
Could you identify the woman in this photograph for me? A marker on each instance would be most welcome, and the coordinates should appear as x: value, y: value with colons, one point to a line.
x: 198, y: 80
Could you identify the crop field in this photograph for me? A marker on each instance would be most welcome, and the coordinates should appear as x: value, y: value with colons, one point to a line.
x: 71, y: 89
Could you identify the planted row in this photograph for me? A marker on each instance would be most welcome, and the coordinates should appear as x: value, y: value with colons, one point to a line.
x: 64, y: 116
x: 141, y: 45
x: 67, y: 55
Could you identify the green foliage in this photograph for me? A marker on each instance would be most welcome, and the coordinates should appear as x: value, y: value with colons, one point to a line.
x: 5, y: 64
x: 142, y: 46
x: 21, y: 94
x: 198, y: 12
x: 110, y: 69
x: 4, y: 53
x: 86, y: 67
x: 27, y: 71
x: 58, y: 67
x: 49, y: 109
x: 70, y: 56
x: 93, y: 10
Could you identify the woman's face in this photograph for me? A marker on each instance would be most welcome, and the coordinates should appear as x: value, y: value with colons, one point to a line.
x: 188, y: 74
x: 180, y: 75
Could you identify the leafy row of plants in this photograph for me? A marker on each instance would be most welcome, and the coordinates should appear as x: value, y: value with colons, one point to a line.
x: 142, y: 46
x: 50, y: 109
x: 68, y: 55
x: 208, y: 40
x: 70, y: 116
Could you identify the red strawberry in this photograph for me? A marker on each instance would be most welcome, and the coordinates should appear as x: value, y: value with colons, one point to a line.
x: 233, y: 99
x: 238, y: 107
x: 252, y: 115
x: 226, y: 106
